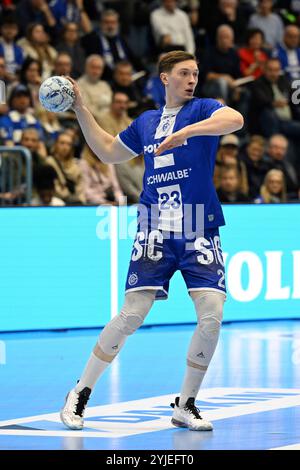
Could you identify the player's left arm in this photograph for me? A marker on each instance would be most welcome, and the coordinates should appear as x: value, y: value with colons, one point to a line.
x: 223, y: 121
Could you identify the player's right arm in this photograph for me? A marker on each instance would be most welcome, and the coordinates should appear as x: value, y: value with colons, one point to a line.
x: 107, y: 148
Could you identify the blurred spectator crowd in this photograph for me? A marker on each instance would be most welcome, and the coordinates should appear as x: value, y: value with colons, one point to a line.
x: 249, y: 58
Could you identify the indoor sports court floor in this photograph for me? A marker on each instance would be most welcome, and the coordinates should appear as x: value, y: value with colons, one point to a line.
x: 251, y: 392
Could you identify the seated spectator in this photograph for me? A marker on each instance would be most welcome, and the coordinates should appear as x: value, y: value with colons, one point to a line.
x: 19, y: 117
x: 34, y: 11
x: 63, y: 64
x: 252, y: 56
x: 110, y: 44
x: 271, y: 109
x: 70, y: 44
x: 12, y: 53
x: 229, y: 187
x: 31, y: 77
x: 171, y: 27
x: 273, y: 189
x: 289, y: 52
x: 277, y: 152
x: 31, y: 140
x: 221, y: 65
x: 96, y: 93
x: 65, y: 11
x: 69, y: 182
x: 44, y: 183
x: 124, y: 83
x: 36, y: 45
x: 100, y: 184
x: 256, y: 164
x: 116, y: 119
x: 226, y: 12
x: 51, y: 126
x: 270, y: 23
x: 227, y: 157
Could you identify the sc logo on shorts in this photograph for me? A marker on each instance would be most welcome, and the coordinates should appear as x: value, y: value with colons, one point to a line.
x: 151, y: 246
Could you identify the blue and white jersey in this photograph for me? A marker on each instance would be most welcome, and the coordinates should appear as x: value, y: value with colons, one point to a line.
x: 180, y: 178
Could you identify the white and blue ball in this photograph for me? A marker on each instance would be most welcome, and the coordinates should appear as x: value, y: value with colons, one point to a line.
x: 56, y: 94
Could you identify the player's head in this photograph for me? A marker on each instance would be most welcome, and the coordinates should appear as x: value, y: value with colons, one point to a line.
x: 178, y: 71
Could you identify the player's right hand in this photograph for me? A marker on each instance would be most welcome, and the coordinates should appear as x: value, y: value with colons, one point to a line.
x: 78, y: 102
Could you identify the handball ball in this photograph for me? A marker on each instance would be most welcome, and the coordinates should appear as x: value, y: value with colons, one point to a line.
x: 56, y: 94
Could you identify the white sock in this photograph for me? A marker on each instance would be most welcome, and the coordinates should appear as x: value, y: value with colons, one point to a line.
x: 191, y: 384
x: 93, y: 369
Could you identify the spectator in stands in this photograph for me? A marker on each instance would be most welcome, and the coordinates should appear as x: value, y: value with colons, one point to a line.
x: 100, y: 184
x: 36, y: 45
x: 4, y: 75
x: 270, y: 23
x: 226, y: 12
x: 31, y: 140
x: 63, y: 64
x: 12, y: 53
x: 229, y: 187
x: 129, y: 174
x: 171, y: 27
x: 51, y: 126
x: 271, y: 108
x: 34, y: 11
x: 252, y: 56
x: 227, y: 157
x: 44, y: 183
x: 277, y: 152
x: 110, y: 44
x: 69, y: 182
x: 19, y: 117
x: 70, y: 44
x: 96, y: 93
x: 31, y: 77
x: 289, y: 52
x: 256, y: 164
x: 273, y: 189
x: 65, y: 11
x: 123, y: 82
x: 221, y: 65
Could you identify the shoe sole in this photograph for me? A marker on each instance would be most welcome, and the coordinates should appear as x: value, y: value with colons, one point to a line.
x: 181, y: 424
x: 67, y: 425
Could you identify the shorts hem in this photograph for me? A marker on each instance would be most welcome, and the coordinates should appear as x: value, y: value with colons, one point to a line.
x: 213, y: 289
x: 157, y: 288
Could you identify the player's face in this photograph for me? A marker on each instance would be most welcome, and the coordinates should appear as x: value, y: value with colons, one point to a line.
x: 182, y: 80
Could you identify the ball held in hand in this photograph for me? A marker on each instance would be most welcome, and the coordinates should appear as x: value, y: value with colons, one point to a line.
x: 56, y: 94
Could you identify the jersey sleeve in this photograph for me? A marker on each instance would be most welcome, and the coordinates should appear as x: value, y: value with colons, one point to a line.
x: 208, y: 107
x: 131, y: 138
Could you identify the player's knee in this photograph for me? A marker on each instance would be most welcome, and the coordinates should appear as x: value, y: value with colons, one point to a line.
x: 130, y: 323
x: 210, y: 325
x: 134, y: 311
x: 209, y: 308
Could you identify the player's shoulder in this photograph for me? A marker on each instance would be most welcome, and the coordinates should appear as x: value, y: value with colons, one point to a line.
x: 146, y: 116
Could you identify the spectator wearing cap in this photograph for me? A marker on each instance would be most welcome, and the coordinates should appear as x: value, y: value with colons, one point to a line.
x: 171, y: 27
x: 12, y: 53
x: 228, y: 191
x: 277, y: 152
x: 289, y: 52
x: 227, y: 157
x: 19, y: 117
x: 108, y: 42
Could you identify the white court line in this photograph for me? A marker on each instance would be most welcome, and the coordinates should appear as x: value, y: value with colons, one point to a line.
x: 111, y: 429
x: 291, y: 447
x: 114, y: 308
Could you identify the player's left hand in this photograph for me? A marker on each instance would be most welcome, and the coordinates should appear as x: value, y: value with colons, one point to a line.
x: 174, y: 140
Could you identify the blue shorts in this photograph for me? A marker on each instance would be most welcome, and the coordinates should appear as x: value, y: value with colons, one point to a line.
x: 155, y: 258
